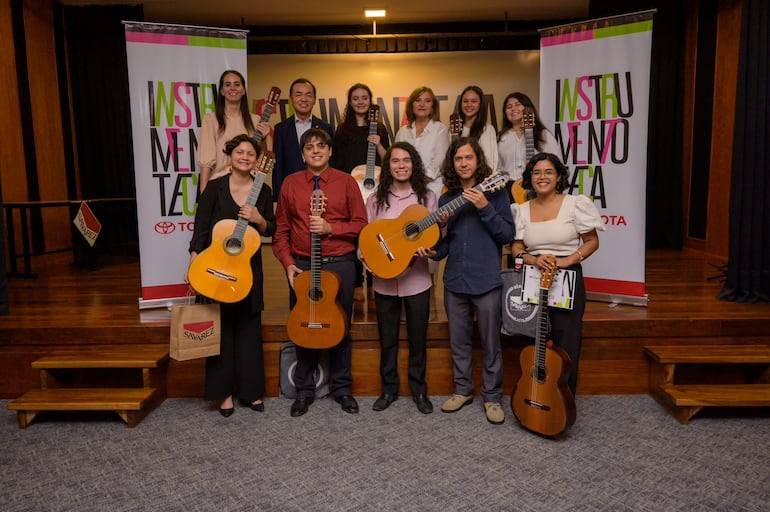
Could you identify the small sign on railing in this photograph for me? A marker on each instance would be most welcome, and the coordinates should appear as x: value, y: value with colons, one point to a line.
x: 87, y: 223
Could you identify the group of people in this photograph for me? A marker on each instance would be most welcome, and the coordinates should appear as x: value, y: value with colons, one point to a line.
x: 424, y: 165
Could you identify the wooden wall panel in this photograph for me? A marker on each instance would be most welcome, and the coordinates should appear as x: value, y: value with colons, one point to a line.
x: 725, y: 80
x: 14, y: 182
x: 46, y: 115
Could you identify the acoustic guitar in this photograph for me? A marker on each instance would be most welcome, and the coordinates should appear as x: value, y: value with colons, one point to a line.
x: 541, y: 400
x: 388, y: 245
x: 518, y: 192
x: 223, y: 270
x: 368, y: 176
x: 317, y: 319
x: 455, y: 125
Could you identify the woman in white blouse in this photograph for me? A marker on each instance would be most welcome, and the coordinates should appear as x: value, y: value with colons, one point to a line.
x: 511, y: 143
x: 427, y: 134
x: 473, y: 112
x: 560, y: 225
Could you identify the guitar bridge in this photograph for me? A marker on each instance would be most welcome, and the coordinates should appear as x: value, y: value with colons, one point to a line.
x: 384, y: 247
x: 221, y: 275
x: 315, y: 325
x: 537, y: 405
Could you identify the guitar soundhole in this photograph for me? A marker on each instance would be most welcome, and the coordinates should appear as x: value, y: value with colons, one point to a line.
x: 411, y: 231
x: 369, y: 183
x: 233, y: 246
x: 539, y: 374
x: 315, y: 294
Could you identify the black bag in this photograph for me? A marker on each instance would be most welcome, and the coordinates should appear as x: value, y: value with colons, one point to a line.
x: 288, y: 363
x: 519, y: 318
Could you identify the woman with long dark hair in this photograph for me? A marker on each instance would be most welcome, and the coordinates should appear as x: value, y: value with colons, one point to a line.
x: 473, y: 109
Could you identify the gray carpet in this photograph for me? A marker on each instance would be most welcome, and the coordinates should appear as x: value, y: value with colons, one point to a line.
x: 623, y: 453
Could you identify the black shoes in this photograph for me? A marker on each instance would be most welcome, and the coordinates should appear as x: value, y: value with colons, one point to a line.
x: 300, y: 405
x: 384, y: 402
x: 227, y: 412
x: 423, y: 404
x: 259, y: 407
x: 347, y: 402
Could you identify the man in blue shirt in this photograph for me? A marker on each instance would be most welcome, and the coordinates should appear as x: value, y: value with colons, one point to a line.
x: 473, y: 240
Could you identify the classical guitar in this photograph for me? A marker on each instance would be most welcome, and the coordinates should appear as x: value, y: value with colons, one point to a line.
x: 518, y: 192
x: 223, y: 270
x: 455, y: 125
x: 317, y: 319
x: 388, y: 245
x: 541, y: 400
x: 267, y: 110
x: 368, y: 176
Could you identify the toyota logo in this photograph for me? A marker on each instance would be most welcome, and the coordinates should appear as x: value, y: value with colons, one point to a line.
x: 165, y: 227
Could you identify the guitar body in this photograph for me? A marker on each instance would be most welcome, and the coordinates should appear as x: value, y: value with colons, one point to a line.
x: 223, y: 271
x: 545, y: 406
x: 367, y: 185
x: 386, y: 247
x: 316, y: 321
x: 518, y: 193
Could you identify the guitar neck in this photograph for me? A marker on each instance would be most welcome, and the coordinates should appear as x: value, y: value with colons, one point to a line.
x: 315, y: 265
x: 256, y: 188
x: 371, y: 152
x: 542, y: 330
x: 529, y: 139
x: 267, y: 111
x: 450, y: 207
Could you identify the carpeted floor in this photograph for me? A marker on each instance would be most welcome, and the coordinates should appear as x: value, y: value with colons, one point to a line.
x: 623, y: 453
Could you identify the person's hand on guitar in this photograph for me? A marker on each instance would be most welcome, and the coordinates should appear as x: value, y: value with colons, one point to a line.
x: 547, y: 262
x: 426, y: 253
x: 251, y: 214
x: 292, y: 271
x: 319, y: 226
x: 475, y: 197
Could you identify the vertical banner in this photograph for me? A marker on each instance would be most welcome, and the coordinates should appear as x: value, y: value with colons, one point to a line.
x: 594, y: 96
x: 173, y: 78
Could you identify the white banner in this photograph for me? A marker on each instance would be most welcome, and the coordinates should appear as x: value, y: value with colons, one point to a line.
x: 173, y: 78
x: 594, y: 97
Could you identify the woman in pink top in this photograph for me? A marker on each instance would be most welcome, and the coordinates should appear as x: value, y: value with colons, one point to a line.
x: 403, y: 182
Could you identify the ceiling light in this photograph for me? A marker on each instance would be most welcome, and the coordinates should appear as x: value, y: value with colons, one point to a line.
x: 374, y: 13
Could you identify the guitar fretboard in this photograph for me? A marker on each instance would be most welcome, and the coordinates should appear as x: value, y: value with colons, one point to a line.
x: 256, y: 188
x: 315, y: 266
x: 451, y: 206
x: 267, y: 111
x: 541, y: 333
x: 371, y: 152
x: 529, y: 139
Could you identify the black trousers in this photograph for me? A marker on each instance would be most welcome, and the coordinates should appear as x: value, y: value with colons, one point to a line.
x: 340, y: 374
x: 239, y: 369
x: 417, y: 308
x: 567, y: 327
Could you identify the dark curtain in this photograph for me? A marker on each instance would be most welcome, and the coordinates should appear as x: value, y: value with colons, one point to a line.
x: 96, y: 46
x: 748, y: 265
x: 664, y: 134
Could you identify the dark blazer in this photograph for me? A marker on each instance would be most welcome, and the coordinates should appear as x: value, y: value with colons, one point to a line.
x: 288, y: 155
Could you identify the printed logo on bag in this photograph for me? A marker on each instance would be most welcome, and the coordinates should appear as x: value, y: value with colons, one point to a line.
x: 198, y: 331
x: 514, y: 305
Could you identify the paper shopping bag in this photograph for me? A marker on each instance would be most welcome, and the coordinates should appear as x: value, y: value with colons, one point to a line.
x: 195, y: 331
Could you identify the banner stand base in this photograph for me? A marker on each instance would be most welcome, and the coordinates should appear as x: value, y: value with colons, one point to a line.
x: 162, y: 303
x: 615, y: 299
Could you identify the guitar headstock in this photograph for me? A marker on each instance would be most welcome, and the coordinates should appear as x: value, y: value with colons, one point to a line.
x: 374, y: 114
x: 266, y: 162
x: 317, y: 203
x: 273, y: 95
x: 455, y: 124
x: 547, y: 275
x: 494, y: 182
x: 527, y: 119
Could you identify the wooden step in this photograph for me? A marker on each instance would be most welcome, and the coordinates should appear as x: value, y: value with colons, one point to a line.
x: 131, y: 404
x: 705, y: 354
x: 119, y: 356
x: 724, y: 395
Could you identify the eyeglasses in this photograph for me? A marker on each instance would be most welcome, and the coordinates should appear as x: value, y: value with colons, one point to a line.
x: 548, y: 172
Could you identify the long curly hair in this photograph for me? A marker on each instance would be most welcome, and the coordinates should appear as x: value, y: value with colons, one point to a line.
x: 538, y: 131
x: 451, y: 179
x: 219, y: 110
x: 561, y: 170
x: 477, y: 128
x: 418, y: 180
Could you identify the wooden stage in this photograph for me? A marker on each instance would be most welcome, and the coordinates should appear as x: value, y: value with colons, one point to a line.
x: 67, y: 307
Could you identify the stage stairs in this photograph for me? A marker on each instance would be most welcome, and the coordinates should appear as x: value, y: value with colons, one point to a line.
x: 127, y: 379
x: 670, y: 366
